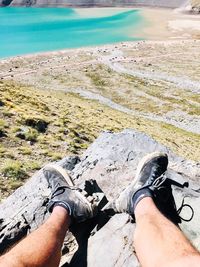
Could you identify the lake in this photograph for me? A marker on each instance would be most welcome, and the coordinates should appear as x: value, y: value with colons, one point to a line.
x: 29, y: 30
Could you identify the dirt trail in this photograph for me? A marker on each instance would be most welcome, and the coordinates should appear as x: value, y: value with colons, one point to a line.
x: 68, y: 70
x: 179, y: 119
x: 115, y: 57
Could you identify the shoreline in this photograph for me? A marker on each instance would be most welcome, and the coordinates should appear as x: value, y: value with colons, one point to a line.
x: 160, y: 24
x: 55, y: 66
x: 159, y: 37
x: 65, y: 51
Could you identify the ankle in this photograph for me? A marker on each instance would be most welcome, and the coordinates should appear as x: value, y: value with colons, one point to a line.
x: 61, y: 213
x: 144, y: 207
x: 139, y: 195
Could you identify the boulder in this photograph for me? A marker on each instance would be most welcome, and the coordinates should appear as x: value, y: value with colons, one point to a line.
x: 37, y: 123
x: 2, y: 133
x: 22, y: 133
x: 2, y: 103
x: 195, y: 6
x: 106, y: 240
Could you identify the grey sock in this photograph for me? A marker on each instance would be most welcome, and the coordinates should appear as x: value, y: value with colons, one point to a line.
x: 140, y: 194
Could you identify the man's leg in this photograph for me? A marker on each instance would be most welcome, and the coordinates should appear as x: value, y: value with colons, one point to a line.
x: 158, y: 242
x: 42, y: 247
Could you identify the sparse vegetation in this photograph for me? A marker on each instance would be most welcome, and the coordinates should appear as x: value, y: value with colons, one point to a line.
x: 2, y: 128
x: 38, y: 126
x: 27, y: 134
x: 2, y: 150
x: 31, y: 135
x: 97, y: 79
x: 32, y: 165
x: 24, y: 150
x: 74, y: 124
x: 13, y: 169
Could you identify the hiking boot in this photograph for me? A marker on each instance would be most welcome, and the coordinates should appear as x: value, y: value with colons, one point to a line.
x: 150, y: 181
x: 150, y: 168
x: 66, y: 195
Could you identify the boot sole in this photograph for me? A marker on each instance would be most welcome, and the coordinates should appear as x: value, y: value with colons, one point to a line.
x: 70, y: 182
x: 142, y: 162
x: 61, y: 171
x: 145, y: 160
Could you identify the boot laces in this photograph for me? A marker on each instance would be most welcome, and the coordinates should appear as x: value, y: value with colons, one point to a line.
x: 157, y: 184
x: 155, y: 173
x: 159, y: 181
x: 183, y: 205
x: 60, y: 189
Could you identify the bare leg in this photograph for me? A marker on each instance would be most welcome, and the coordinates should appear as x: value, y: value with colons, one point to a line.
x: 158, y: 242
x: 42, y: 247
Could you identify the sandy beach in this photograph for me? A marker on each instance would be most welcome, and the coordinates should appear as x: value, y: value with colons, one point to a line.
x: 162, y: 24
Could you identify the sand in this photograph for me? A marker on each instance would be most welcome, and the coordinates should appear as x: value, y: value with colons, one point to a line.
x: 162, y: 24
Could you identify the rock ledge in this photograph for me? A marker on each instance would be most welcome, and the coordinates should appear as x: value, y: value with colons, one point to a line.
x: 112, y: 161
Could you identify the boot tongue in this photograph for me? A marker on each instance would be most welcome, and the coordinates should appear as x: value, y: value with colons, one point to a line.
x: 153, y: 175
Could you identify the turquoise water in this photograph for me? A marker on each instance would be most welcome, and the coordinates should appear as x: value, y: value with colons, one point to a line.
x: 29, y: 30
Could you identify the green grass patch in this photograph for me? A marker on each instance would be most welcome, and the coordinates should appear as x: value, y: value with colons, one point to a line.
x: 25, y: 150
x: 73, y: 124
x: 13, y: 169
x: 97, y: 80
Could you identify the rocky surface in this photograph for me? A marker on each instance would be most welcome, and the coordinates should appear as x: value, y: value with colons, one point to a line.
x: 195, y: 5
x: 160, y: 3
x: 191, y: 5
x: 112, y: 161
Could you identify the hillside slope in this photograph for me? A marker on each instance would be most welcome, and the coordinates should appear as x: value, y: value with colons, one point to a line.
x: 56, y: 104
x: 38, y: 126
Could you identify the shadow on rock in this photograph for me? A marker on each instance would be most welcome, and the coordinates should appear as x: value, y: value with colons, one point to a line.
x: 82, y: 231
